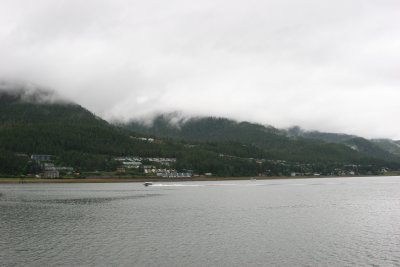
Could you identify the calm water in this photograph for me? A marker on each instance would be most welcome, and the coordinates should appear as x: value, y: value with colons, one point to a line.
x: 310, y: 222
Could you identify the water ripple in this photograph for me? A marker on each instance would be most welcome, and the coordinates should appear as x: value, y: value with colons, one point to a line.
x: 337, y: 222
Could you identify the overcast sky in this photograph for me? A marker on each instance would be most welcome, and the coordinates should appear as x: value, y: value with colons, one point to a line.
x: 324, y: 65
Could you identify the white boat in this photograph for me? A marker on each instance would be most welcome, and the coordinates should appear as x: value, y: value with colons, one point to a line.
x: 148, y: 183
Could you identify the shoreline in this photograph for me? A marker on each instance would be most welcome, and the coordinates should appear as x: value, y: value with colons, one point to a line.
x: 157, y: 179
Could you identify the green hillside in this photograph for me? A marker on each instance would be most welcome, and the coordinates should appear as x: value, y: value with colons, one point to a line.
x: 370, y: 148
x: 75, y: 135
x: 274, y: 143
x: 379, y: 148
x: 327, y: 137
x: 29, y: 124
x: 34, y: 127
x: 391, y: 146
x: 38, y: 122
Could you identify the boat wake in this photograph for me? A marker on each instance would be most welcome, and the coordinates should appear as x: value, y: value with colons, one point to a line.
x: 203, y: 185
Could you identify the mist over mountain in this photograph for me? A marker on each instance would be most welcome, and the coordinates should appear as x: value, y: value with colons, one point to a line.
x: 323, y: 65
x: 293, y: 143
x: 37, y: 121
x: 240, y: 133
x: 21, y: 92
x: 391, y: 146
x: 384, y: 148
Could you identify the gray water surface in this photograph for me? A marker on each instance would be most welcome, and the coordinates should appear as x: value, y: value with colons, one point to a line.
x: 299, y: 222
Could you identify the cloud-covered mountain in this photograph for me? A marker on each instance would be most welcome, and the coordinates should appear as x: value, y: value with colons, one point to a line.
x: 78, y: 138
x: 291, y: 144
x: 331, y: 66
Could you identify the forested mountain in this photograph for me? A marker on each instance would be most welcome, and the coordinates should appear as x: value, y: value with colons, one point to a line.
x: 30, y: 124
x: 206, y: 129
x: 39, y: 122
x: 327, y: 137
x: 370, y: 148
x: 391, y: 146
x: 44, y: 127
x: 376, y: 148
x: 275, y: 143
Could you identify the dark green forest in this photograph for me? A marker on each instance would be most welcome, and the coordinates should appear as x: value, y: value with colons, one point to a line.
x: 77, y: 138
x: 270, y: 142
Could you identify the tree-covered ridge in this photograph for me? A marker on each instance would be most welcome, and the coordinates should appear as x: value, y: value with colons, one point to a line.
x: 37, y: 123
x: 78, y: 138
x: 14, y: 109
x: 296, y: 132
x: 30, y: 125
x: 391, y: 146
x: 270, y: 142
x: 379, y: 148
x: 205, y: 129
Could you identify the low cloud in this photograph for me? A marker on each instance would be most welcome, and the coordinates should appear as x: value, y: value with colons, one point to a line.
x: 324, y: 65
x: 30, y: 93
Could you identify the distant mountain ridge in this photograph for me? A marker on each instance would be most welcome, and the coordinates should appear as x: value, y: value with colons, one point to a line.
x: 31, y: 122
x: 377, y: 148
x: 296, y: 131
x: 291, y: 144
x: 77, y: 138
x: 391, y: 146
x: 40, y: 122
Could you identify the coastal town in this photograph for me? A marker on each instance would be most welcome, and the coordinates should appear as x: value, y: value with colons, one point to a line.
x: 157, y: 167
x: 163, y: 167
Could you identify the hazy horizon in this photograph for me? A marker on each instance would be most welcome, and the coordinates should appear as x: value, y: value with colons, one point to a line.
x: 321, y: 65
